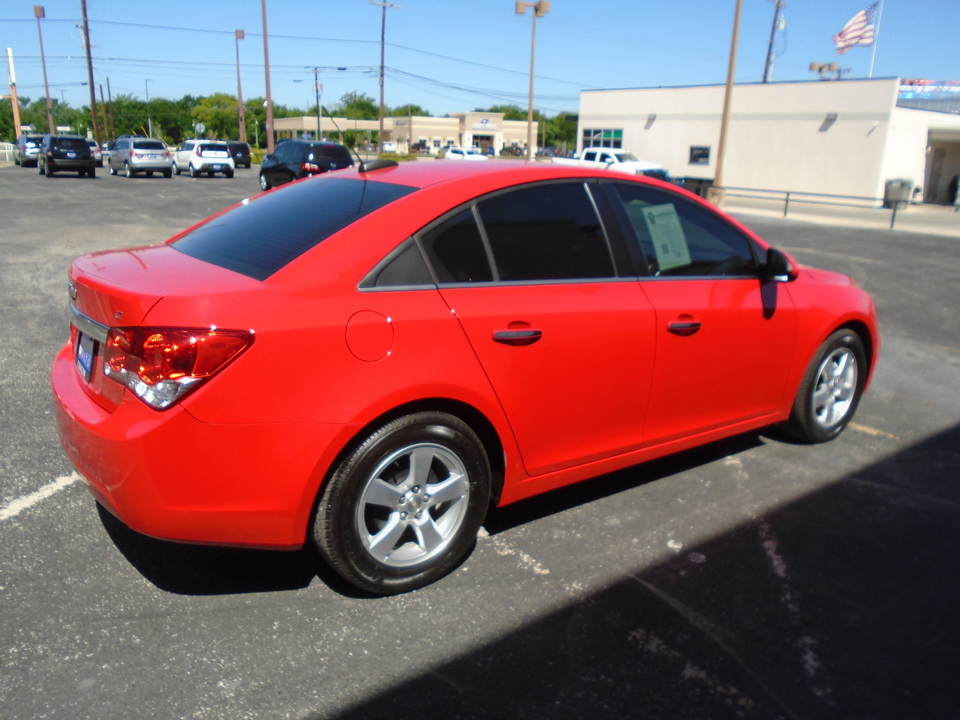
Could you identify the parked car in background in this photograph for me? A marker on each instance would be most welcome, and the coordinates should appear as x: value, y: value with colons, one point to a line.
x: 388, y: 147
x: 65, y: 153
x: 96, y: 152
x: 458, y: 153
x: 368, y: 361
x: 420, y: 147
x: 240, y: 152
x: 134, y: 155
x: 26, y: 149
x: 296, y: 159
x: 203, y: 156
x: 512, y: 151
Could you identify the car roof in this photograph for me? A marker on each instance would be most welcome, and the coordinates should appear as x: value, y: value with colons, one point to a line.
x: 507, y: 172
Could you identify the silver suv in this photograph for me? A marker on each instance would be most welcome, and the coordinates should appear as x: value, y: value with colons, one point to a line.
x: 203, y: 156
x: 132, y: 155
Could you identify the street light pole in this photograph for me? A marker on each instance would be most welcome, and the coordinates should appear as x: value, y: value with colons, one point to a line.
x: 383, y: 36
x: 93, y: 91
x: 38, y: 13
x: 540, y: 9
x: 317, y: 88
x: 238, y: 36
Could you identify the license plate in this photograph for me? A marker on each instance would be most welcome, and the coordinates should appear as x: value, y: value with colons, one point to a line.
x: 152, y: 157
x: 86, y: 346
x: 71, y: 154
x: 216, y: 168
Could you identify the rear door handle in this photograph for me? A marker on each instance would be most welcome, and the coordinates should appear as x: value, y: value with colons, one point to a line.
x: 517, y: 338
x: 683, y: 329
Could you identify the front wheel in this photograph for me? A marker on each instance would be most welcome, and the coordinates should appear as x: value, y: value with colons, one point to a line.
x: 193, y: 171
x: 264, y: 183
x: 127, y: 170
x: 176, y: 170
x: 831, y: 389
x: 403, y: 508
x: 113, y: 170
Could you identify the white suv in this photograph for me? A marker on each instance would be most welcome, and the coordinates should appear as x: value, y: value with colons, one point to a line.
x: 203, y: 156
x: 456, y: 153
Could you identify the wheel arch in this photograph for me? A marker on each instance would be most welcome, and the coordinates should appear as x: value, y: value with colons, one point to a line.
x: 869, y: 340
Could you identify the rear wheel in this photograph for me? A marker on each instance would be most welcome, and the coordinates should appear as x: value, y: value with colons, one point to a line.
x: 403, y: 508
x: 47, y: 171
x: 113, y: 170
x: 92, y: 172
x: 176, y: 170
x: 264, y: 183
x: 167, y: 173
x: 831, y: 389
x: 228, y: 173
x: 193, y: 171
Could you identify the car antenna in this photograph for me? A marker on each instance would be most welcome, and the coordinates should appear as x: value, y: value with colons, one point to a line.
x: 364, y: 166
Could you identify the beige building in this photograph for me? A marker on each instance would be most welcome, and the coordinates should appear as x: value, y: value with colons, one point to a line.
x: 470, y: 129
x: 838, y: 137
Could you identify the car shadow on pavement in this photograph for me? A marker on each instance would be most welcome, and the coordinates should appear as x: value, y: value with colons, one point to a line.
x: 839, y: 604
x: 206, y: 570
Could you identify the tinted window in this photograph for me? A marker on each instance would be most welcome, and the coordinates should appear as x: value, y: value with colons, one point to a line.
x: 340, y: 155
x: 70, y: 144
x: 212, y: 147
x: 546, y: 232
x: 403, y: 267
x: 456, y: 252
x: 259, y: 238
x: 681, y: 238
x: 149, y: 145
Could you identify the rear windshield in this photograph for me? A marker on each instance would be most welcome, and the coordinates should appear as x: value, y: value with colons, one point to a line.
x: 259, y: 238
x: 213, y: 147
x: 149, y: 145
x: 337, y: 153
x: 72, y: 143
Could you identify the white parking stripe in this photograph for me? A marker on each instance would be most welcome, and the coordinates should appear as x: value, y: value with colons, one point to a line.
x: 15, y: 507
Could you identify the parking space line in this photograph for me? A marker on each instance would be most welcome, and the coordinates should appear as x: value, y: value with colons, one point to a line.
x: 15, y: 507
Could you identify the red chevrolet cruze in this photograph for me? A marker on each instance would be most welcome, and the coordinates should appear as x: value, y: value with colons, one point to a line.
x: 369, y: 359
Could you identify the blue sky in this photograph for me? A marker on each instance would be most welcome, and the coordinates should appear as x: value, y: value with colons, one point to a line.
x: 455, y: 55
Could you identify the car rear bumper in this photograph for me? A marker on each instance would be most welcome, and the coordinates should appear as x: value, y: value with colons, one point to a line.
x: 215, y: 166
x: 170, y: 476
x: 139, y: 164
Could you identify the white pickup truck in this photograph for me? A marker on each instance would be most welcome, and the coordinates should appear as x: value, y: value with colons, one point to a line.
x: 622, y: 161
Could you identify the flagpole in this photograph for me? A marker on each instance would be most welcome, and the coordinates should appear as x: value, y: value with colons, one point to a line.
x: 876, y: 38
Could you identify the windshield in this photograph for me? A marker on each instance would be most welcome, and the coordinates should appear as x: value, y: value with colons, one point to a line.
x: 259, y: 238
x: 627, y: 157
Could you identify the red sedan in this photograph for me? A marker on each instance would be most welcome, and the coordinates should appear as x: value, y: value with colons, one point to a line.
x: 369, y: 359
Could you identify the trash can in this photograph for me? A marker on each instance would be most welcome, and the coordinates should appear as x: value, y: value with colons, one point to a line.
x: 896, y: 191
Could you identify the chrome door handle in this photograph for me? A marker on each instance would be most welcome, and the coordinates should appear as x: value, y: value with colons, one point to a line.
x: 517, y: 338
x: 683, y: 329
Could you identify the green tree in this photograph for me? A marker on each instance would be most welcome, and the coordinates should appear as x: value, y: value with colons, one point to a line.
x: 405, y: 110
x: 218, y: 112
x: 357, y: 105
x: 510, y: 112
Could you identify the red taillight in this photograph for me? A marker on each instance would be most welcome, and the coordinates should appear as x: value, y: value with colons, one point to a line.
x: 161, y: 365
x: 310, y: 167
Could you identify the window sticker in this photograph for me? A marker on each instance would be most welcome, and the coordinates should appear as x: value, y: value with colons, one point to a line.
x: 669, y: 242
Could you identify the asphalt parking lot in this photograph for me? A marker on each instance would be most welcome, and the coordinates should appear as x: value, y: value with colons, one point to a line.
x: 753, y: 578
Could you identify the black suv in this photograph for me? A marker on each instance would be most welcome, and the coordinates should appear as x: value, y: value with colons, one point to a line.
x: 240, y: 152
x: 295, y: 159
x: 65, y: 152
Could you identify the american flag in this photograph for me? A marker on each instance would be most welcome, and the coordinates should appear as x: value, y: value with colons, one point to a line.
x: 859, y: 31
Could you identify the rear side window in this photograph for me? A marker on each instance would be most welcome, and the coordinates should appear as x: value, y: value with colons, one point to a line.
x: 546, y: 232
x: 149, y: 145
x: 456, y: 250
x: 340, y: 155
x: 261, y: 237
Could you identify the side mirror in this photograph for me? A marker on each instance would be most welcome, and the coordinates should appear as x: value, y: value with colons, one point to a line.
x: 780, y: 266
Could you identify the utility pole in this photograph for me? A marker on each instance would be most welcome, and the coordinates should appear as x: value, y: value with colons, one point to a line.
x: 39, y: 13
x: 725, y: 118
x: 238, y: 36
x: 112, y: 131
x: 768, y: 68
x: 93, y: 89
x: 540, y: 9
x: 317, y: 87
x: 268, y: 126
x: 146, y: 84
x: 383, y: 37
x: 12, y: 78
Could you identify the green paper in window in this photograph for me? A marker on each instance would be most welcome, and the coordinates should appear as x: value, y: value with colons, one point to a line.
x: 666, y: 234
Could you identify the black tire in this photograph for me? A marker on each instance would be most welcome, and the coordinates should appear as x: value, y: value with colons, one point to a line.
x: 193, y: 171
x: 168, y: 173
x: 176, y: 169
x: 47, y: 171
x: 377, y: 499
x: 127, y: 170
x: 831, y: 389
x: 149, y: 173
x: 264, y: 183
x: 113, y: 170
x: 228, y: 173
x: 92, y: 173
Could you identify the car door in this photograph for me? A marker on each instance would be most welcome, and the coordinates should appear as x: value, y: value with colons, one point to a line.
x: 182, y: 157
x: 566, y: 341
x: 725, y: 337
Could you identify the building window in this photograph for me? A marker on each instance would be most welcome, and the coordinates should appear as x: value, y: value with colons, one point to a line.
x: 603, y: 138
x: 699, y: 155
